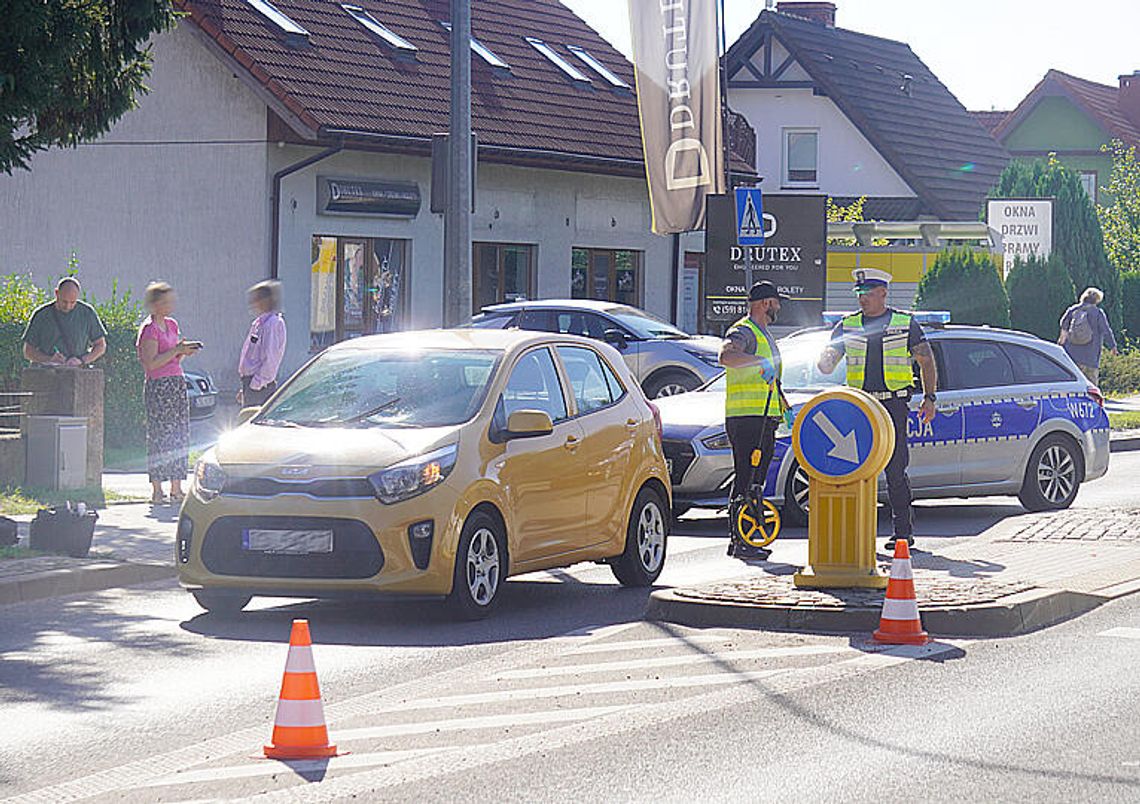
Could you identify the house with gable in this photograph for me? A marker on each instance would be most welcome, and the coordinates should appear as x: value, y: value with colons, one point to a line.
x: 1073, y: 117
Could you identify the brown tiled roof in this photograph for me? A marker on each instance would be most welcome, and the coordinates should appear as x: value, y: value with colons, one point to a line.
x: 345, y: 79
x: 917, y: 125
x: 989, y: 120
x: 1098, y: 101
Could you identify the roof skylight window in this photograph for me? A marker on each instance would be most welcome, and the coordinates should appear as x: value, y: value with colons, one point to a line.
x: 278, y: 18
x: 484, y: 52
x: 374, y: 26
x: 595, y: 65
x: 557, y: 60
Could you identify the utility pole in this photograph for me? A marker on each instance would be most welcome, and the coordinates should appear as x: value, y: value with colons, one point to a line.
x: 457, y: 216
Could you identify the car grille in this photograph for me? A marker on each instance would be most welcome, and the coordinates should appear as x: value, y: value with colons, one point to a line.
x: 325, y: 488
x: 680, y: 455
x: 356, y: 554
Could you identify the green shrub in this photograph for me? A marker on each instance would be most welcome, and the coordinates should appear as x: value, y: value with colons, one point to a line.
x: 1120, y: 373
x: 1077, y: 237
x: 1130, y: 302
x: 124, y: 414
x: 1039, y: 293
x: 965, y: 282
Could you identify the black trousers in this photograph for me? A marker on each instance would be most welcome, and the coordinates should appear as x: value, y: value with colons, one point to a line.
x: 898, y: 484
x: 747, y: 433
x: 251, y: 398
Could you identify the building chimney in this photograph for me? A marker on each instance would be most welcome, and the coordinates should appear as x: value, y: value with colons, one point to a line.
x: 823, y: 13
x: 1129, y: 98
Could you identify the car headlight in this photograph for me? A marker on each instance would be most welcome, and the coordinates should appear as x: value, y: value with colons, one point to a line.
x: 708, y: 358
x: 413, y: 476
x: 209, y: 479
x: 717, y: 442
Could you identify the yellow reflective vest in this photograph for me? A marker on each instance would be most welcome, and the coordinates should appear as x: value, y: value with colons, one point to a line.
x: 896, y: 357
x: 746, y: 392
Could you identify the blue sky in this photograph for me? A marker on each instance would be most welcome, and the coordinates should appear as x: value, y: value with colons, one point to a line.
x: 990, y: 53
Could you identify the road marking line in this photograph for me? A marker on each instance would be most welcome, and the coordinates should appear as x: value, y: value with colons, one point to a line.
x: 273, y: 767
x: 675, y: 661
x: 475, y: 723
x: 1123, y: 633
x: 660, y: 642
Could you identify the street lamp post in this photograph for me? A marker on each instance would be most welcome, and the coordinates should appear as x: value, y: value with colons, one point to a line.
x: 457, y: 216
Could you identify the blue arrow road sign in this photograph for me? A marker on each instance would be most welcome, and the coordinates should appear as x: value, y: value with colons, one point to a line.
x: 836, y: 437
x: 749, y: 216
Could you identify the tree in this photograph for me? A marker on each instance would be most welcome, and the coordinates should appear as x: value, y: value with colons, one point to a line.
x: 69, y: 69
x: 1121, y: 220
x: 1130, y: 298
x: 1077, y: 236
x: 965, y: 281
x: 1040, y: 291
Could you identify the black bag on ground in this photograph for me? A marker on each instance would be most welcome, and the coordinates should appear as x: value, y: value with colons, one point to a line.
x: 8, y: 532
x: 63, y: 530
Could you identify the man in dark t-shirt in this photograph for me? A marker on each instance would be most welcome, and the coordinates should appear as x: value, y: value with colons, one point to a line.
x: 880, y: 344
x: 66, y: 331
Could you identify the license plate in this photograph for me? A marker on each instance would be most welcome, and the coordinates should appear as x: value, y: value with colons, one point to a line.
x: 287, y: 542
x: 669, y: 466
x: 204, y: 402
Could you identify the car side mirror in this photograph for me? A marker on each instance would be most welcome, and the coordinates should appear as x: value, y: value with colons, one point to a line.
x: 245, y: 414
x: 616, y: 338
x: 529, y: 424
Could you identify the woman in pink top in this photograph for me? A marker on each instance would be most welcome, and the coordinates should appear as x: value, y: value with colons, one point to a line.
x: 161, y: 348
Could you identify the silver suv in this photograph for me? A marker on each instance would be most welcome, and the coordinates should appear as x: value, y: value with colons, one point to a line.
x: 665, y: 360
x: 1014, y: 416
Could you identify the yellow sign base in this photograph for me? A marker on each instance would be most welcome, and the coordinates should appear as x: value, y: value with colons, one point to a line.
x: 841, y: 537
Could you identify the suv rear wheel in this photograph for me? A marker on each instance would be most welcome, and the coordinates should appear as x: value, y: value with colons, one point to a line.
x: 1053, y: 475
x: 670, y: 383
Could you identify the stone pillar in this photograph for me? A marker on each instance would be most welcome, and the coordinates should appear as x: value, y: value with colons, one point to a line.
x: 65, y: 391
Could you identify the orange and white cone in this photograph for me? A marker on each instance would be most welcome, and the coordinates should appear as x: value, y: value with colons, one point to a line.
x: 900, y: 623
x: 299, y: 730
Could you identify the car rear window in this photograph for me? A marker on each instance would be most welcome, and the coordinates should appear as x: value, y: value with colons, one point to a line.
x: 1032, y: 367
x: 493, y: 320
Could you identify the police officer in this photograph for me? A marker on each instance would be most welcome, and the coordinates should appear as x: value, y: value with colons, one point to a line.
x: 753, y: 404
x: 880, y: 343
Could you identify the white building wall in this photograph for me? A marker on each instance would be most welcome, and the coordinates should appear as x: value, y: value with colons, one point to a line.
x: 848, y: 163
x: 555, y: 211
x: 176, y: 191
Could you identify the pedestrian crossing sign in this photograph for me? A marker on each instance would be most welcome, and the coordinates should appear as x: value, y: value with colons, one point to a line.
x: 749, y: 217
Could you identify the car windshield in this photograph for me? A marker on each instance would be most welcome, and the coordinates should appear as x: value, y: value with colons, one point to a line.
x: 800, y: 354
x: 644, y: 325
x: 385, y: 388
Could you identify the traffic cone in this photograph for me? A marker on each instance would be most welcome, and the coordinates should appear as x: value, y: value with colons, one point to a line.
x: 900, y: 623
x: 299, y: 730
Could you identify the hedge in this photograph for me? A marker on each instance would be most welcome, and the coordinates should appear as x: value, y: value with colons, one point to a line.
x: 124, y: 414
x: 1130, y: 302
x: 1039, y: 293
x: 966, y: 282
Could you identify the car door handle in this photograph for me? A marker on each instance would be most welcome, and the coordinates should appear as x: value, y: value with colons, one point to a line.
x: 948, y: 409
x: 571, y: 443
x: 1027, y: 404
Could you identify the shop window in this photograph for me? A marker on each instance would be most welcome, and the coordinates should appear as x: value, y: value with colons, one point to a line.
x: 801, y: 157
x: 358, y: 287
x: 606, y: 275
x: 501, y: 273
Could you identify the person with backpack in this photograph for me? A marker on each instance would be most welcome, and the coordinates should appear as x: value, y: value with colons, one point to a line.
x: 1085, y: 332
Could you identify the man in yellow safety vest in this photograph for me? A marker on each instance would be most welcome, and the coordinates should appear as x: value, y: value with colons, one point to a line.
x: 880, y: 343
x: 753, y: 403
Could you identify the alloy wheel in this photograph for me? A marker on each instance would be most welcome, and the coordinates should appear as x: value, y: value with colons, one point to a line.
x: 651, y: 537
x: 671, y: 389
x: 801, y: 488
x: 483, y: 566
x: 1056, y: 474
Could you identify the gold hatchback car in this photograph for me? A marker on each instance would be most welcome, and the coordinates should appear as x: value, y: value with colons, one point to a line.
x: 431, y: 463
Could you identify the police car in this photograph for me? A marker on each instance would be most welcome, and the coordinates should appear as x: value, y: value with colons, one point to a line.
x: 1014, y: 416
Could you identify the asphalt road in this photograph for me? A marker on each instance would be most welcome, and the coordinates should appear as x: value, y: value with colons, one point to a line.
x: 567, y: 694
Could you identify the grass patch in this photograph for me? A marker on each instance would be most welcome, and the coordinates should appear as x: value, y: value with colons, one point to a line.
x: 15, y: 500
x: 124, y: 459
x: 18, y: 552
x: 1128, y: 420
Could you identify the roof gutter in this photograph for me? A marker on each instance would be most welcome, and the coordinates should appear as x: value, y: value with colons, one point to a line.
x: 275, y: 200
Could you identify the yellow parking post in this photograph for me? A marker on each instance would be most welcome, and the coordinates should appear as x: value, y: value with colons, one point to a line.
x: 842, y: 438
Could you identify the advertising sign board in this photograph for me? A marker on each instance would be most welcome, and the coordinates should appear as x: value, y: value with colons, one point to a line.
x: 1025, y: 225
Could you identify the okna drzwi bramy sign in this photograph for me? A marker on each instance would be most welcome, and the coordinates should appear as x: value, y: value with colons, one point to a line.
x: 1025, y: 225
x: 792, y: 258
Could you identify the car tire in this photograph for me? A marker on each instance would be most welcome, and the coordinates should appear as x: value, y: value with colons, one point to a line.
x: 646, y: 538
x: 669, y: 383
x: 795, y: 509
x: 480, y: 567
x: 1053, y: 475
x: 219, y: 601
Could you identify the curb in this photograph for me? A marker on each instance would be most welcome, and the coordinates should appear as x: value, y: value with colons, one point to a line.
x: 1128, y: 443
x: 1017, y: 614
x: 73, y: 580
